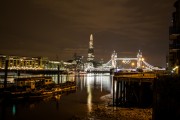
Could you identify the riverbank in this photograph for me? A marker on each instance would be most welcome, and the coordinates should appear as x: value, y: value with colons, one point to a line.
x: 116, y: 113
x: 106, y: 111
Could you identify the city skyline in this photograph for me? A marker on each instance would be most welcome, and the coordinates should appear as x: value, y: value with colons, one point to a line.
x: 62, y: 28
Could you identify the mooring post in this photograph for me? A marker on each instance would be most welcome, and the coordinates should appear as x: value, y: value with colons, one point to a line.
x: 155, y: 99
x: 113, y: 91
x: 58, y: 74
x: 124, y: 91
x: 117, y: 93
x: 61, y: 78
x: 121, y: 90
x: 18, y: 73
x: 6, y: 72
x: 140, y: 93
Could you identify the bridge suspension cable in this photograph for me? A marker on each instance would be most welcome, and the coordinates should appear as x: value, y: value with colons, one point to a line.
x: 112, y: 63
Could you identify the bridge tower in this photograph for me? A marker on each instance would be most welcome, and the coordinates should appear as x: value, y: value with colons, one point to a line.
x: 139, y: 59
x: 113, y: 59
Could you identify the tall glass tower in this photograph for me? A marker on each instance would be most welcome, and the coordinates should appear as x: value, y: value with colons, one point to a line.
x: 90, y: 57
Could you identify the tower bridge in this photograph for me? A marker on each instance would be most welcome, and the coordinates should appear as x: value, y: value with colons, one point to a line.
x: 126, y: 64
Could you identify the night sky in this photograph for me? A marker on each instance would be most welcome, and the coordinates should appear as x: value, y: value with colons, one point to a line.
x: 60, y: 28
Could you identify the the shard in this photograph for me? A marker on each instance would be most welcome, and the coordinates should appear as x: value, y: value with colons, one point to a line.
x: 90, y: 50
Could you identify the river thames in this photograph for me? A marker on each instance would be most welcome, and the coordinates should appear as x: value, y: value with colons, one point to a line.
x: 90, y: 88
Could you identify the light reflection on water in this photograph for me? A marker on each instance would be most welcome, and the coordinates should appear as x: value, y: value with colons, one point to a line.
x: 90, y: 87
x: 89, y: 98
x: 14, y: 110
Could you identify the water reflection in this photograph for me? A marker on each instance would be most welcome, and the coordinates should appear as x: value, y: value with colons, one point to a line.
x: 89, y: 98
x: 32, y: 106
x: 14, y: 110
x: 63, y: 78
x: 99, y: 81
x: 90, y: 87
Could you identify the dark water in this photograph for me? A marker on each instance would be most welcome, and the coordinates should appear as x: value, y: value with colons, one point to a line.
x: 90, y: 87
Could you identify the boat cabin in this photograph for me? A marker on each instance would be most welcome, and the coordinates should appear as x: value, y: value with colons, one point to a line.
x: 31, y: 82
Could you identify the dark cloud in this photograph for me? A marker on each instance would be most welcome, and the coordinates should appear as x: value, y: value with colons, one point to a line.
x: 62, y: 27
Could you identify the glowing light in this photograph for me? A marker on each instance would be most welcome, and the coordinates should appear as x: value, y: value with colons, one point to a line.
x: 101, y: 83
x: 132, y: 64
x: 89, y: 98
x: 14, y: 110
x: 175, y: 68
x: 57, y: 97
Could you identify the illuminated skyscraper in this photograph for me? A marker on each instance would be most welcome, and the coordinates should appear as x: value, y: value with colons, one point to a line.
x: 174, y: 40
x: 90, y: 57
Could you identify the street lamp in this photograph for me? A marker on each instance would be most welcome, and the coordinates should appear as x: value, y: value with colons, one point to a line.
x: 175, y: 69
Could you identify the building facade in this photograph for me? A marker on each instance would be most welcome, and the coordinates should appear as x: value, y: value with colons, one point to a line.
x: 174, y: 40
x: 17, y: 62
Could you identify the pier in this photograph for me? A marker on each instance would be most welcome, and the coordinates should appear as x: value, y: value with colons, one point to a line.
x: 133, y: 89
